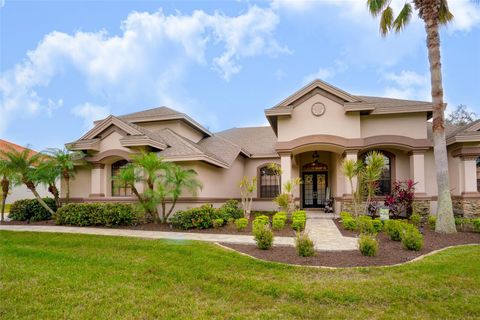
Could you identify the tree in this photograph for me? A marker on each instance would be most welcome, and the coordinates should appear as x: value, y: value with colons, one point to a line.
x: 23, y: 165
x: 7, y: 175
x: 247, y: 187
x: 286, y: 200
x: 461, y: 116
x: 352, y: 170
x: 434, y: 13
x: 47, y: 173
x: 176, y: 181
x: 372, y: 172
x: 65, y: 160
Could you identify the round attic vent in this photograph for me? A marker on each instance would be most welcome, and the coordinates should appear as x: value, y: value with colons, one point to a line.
x: 318, y: 109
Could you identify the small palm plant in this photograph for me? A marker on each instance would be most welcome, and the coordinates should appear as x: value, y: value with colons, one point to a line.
x: 247, y: 187
x: 23, y: 165
x: 374, y: 167
x: 352, y: 169
x: 48, y: 173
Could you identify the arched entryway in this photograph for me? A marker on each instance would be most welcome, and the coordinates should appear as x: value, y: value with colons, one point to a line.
x: 315, y: 184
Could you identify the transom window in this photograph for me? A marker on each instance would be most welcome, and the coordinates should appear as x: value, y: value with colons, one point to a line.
x: 269, y: 183
x: 119, y: 189
x: 385, y: 182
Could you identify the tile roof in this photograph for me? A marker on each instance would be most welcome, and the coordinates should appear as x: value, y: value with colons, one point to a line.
x: 150, y: 113
x: 7, y: 146
x: 392, y: 102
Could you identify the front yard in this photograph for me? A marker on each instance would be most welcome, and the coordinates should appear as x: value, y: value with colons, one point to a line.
x: 84, y: 277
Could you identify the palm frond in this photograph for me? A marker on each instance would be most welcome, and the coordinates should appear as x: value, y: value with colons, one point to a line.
x: 386, y: 21
x: 403, y: 18
x: 444, y: 14
x: 376, y: 6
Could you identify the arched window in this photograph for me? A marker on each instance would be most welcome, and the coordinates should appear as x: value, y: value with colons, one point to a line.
x: 385, y: 182
x: 269, y: 183
x: 118, y: 189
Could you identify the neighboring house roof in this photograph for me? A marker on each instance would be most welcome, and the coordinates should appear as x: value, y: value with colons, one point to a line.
x: 7, y: 146
x: 257, y: 141
x: 163, y: 113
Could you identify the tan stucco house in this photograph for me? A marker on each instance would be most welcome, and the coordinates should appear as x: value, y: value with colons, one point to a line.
x: 310, y: 133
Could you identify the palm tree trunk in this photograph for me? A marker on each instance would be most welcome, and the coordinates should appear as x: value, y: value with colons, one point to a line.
x: 445, y: 220
x: 32, y: 188
x: 67, y: 188
x: 5, y: 188
x: 56, y: 195
x: 170, y: 211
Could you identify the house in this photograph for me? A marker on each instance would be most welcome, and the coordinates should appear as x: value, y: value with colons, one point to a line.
x: 21, y: 191
x: 310, y: 133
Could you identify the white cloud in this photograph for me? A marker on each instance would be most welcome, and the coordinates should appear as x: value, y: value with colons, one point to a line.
x: 327, y: 73
x: 407, y: 85
x: 89, y: 113
x: 295, y: 5
x: 148, y: 59
x: 466, y: 15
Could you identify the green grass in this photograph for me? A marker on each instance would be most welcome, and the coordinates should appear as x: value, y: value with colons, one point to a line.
x: 53, y: 276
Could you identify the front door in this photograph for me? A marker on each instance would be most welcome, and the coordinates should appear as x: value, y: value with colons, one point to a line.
x: 314, y: 189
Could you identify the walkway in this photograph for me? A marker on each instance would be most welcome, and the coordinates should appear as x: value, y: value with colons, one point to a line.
x: 321, y: 230
x: 325, y: 234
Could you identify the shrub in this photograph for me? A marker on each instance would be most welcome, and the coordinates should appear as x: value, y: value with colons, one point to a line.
x: 217, y: 223
x: 96, y: 214
x: 432, y: 220
x: 241, y: 224
x: 230, y: 209
x: 305, y: 246
x: 416, y: 219
x: 476, y: 225
x: 199, y: 218
x: 260, y: 221
x: 412, y: 239
x: 394, y: 229
x: 365, y: 224
x: 368, y: 245
x: 31, y: 210
x: 349, y: 224
x: 282, y: 214
x: 263, y: 236
x: 345, y: 215
x: 278, y: 222
x: 299, y: 218
x: 377, y: 225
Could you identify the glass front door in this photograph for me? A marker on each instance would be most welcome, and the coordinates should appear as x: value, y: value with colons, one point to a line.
x: 314, y: 189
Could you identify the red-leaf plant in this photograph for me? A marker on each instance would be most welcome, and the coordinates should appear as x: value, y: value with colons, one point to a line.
x: 401, y: 199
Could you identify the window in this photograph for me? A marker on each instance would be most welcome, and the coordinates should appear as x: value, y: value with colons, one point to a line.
x: 269, y: 183
x: 478, y: 174
x: 385, y: 182
x: 118, y: 189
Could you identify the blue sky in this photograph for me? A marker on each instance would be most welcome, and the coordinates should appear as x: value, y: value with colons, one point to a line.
x: 66, y: 63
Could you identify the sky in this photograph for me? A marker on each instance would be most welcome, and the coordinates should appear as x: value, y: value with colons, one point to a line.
x: 66, y: 63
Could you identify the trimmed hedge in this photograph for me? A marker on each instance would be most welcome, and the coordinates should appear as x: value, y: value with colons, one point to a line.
x: 299, y: 218
x: 279, y: 220
x: 260, y: 221
x: 96, y: 214
x: 203, y: 217
x: 412, y: 239
x: 31, y: 210
x: 304, y: 245
x: 263, y: 236
x: 368, y: 245
x: 241, y: 224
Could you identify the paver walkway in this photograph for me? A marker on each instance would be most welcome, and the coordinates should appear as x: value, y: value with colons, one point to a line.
x: 323, y: 232
x: 326, y: 236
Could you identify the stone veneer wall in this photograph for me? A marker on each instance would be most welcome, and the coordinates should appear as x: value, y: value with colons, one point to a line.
x: 469, y: 208
x: 419, y: 206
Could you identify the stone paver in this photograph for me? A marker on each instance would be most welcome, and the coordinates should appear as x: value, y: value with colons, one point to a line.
x: 326, y: 236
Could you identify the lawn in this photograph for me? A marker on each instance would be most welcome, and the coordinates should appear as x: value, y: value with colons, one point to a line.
x: 52, y: 276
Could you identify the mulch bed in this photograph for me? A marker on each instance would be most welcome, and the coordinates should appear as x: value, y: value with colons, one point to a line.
x: 389, y: 253
x: 228, y: 229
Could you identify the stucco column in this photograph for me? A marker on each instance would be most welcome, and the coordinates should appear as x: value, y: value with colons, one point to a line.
x: 286, y: 164
x: 469, y: 170
x: 350, y: 155
x: 417, y: 170
x: 97, y: 185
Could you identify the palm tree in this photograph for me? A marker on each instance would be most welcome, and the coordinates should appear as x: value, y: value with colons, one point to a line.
x: 352, y: 170
x: 65, y: 161
x: 434, y: 13
x: 47, y: 173
x: 7, y: 176
x: 152, y: 165
x: 177, y: 180
x: 373, y: 169
x: 22, y: 164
